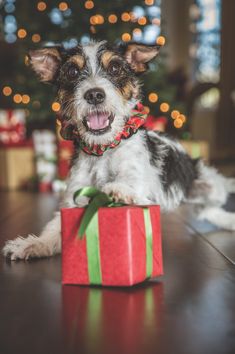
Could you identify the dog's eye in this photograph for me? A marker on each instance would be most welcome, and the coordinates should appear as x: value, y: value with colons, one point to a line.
x: 72, y: 72
x: 114, y: 68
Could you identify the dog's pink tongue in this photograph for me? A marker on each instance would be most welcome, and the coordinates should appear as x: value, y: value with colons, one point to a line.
x: 98, y: 120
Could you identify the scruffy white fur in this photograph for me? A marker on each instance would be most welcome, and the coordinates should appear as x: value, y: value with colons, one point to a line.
x: 125, y: 172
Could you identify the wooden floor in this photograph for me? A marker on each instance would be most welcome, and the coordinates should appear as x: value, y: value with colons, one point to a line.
x: 190, y: 310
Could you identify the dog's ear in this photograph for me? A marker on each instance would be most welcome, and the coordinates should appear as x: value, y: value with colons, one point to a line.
x: 139, y: 55
x: 45, y: 62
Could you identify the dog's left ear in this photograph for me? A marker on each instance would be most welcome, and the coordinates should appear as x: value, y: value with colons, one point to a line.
x: 139, y: 55
x: 45, y: 62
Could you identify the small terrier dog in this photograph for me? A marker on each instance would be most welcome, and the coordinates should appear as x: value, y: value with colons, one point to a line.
x: 99, y: 89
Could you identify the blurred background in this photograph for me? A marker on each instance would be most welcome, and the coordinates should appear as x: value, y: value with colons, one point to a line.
x: 189, y: 91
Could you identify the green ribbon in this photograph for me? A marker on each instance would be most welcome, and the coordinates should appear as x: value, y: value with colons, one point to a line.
x: 90, y: 226
x: 149, y: 242
x: 98, y: 199
x: 93, y: 251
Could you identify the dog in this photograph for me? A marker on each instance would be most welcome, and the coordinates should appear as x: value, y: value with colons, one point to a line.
x: 99, y: 89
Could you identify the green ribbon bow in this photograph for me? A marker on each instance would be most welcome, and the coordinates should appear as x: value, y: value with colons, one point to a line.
x: 89, y: 226
x: 98, y: 199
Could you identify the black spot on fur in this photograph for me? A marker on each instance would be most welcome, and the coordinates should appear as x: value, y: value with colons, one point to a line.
x: 153, y: 150
x: 179, y: 168
x: 176, y: 166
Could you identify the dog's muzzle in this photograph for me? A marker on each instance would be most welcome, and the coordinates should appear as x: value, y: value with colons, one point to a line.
x: 98, y: 122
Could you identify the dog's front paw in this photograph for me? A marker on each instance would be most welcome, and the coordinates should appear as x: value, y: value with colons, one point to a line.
x: 120, y: 193
x: 25, y: 248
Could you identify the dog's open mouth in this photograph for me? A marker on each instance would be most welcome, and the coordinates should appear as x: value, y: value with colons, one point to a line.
x: 98, y: 122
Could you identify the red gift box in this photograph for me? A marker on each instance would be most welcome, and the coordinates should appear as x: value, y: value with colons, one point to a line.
x: 156, y: 123
x: 124, y: 249
x: 65, y: 153
x: 65, y: 149
x: 12, y: 127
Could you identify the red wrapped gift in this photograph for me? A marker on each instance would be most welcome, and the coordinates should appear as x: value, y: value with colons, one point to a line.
x: 12, y: 127
x: 65, y: 149
x: 121, y: 247
x: 156, y: 123
x: 65, y: 153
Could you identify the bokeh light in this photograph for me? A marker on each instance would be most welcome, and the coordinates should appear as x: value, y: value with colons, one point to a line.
x: 178, y: 123
x: 175, y: 114
x: 17, y: 98
x: 94, y: 20
x: 161, y: 40
x: 25, y: 99
x: 56, y: 16
x: 153, y: 97
x: 126, y: 37
x: 142, y: 21
x: 41, y: 6
x: 149, y: 2
x: 164, y: 107
x: 36, y: 38
x: 156, y: 21
x: 22, y: 33
x: 55, y: 106
x: 99, y: 19
x: 137, y: 31
x: 63, y: 6
x: 147, y: 109
x: 9, y: 7
x: 112, y: 18
x: 125, y: 17
x: 89, y: 5
x: 182, y: 117
x: 7, y: 91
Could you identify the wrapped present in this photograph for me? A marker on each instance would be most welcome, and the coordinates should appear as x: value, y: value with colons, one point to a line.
x: 121, y: 245
x: 197, y: 149
x: 46, y: 157
x: 156, y: 123
x: 12, y: 127
x: 17, y: 165
x: 65, y: 152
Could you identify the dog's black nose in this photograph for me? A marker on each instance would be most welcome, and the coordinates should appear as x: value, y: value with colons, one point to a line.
x: 95, y: 96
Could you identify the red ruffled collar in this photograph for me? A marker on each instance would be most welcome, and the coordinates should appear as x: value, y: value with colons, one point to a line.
x: 136, y: 120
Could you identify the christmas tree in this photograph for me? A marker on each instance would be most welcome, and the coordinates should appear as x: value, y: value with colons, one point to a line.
x: 31, y: 24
